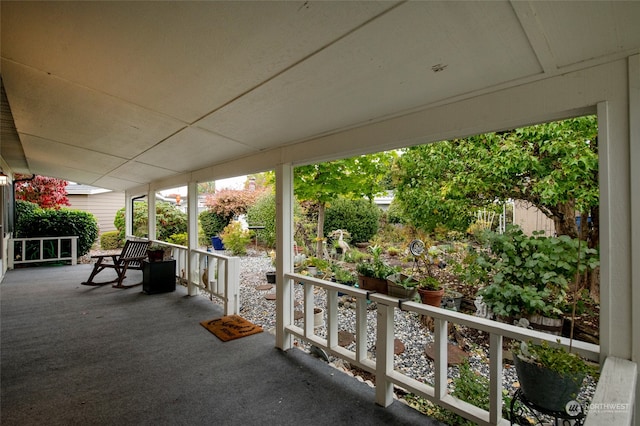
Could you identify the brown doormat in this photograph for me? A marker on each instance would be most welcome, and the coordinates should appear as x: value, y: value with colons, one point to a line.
x: 231, y: 327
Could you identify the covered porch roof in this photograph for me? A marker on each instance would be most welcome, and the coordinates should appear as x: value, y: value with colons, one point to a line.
x: 127, y: 95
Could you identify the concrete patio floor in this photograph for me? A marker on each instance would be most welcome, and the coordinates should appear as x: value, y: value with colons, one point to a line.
x: 78, y: 355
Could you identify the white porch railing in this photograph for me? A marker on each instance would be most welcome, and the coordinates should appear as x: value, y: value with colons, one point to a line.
x: 42, y: 249
x: 215, y: 274
x: 382, y: 364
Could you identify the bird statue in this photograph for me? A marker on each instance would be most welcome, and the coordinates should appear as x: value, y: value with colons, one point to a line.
x: 342, y: 243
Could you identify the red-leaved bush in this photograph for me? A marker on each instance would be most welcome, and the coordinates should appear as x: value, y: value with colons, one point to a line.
x: 229, y: 203
x: 48, y: 193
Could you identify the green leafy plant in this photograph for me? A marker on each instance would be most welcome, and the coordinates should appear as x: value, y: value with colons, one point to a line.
x: 429, y: 283
x: 212, y: 224
x: 405, y: 281
x: 531, y: 275
x: 375, y: 267
x: 428, y: 261
x: 321, y: 264
x: 468, y: 386
x: 354, y: 256
x: 169, y: 220
x: 554, y: 358
x: 235, y: 238
x: 343, y: 275
x: 263, y: 213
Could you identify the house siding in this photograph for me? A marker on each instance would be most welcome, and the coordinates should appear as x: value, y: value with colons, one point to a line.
x: 103, y: 206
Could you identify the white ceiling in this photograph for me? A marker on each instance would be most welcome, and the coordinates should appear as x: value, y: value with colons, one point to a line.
x: 119, y: 94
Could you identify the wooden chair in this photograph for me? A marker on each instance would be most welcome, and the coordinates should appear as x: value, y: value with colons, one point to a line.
x: 130, y: 257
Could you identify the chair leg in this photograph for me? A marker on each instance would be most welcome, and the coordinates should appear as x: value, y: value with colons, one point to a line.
x: 97, y: 268
x: 122, y: 271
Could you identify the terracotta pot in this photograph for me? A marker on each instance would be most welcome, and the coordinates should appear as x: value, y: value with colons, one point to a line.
x: 431, y: 297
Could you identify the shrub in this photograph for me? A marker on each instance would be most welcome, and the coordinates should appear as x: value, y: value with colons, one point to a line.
x: 180, y: 239
x: 63, y: 222
x: 169, y: 220
x: 394, y: 213
x: 24, y: 211
x: 110, y: 240
x: 531, y: 275
x: 212, y: 224
x: 263, y: 212
x: 235, y: 238
x: 359, y: 217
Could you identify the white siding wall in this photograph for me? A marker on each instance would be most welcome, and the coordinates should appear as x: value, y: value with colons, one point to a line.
x: 103, y: 206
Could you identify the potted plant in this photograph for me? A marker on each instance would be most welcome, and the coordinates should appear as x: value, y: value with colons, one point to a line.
x: 373, y: 272
x: 316, y: 266
x: 429, y: 287
x: 530, y: 276
x: 157, y: 252
x: 549, y: 377
x: 402, y: 286
x: 430, y: 291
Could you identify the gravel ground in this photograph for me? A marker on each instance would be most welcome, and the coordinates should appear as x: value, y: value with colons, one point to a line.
x: 408, y: 329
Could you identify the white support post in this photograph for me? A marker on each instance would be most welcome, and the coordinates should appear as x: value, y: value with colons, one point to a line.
x: 74, y: 251
x: 151, y: 205
x: 192, y: 243
x: 128, y: 214
x: 634, y: 144
x: 495, y: 378
x: 384, y: 355
x: 284, y: 254
x: 440, y: 359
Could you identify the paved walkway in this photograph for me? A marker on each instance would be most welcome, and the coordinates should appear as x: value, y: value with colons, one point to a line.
x: 78, y: 355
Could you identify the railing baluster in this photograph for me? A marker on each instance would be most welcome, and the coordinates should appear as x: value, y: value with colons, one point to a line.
x: 332, y: 318
x: 495, y: 378
x: 361, y: 329
x: 308, y: 309
x: 440, y: 359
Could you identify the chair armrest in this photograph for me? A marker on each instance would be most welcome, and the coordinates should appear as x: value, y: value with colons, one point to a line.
x: 134, y: 258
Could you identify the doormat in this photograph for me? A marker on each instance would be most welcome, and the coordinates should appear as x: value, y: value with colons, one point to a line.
x: 231, y: 327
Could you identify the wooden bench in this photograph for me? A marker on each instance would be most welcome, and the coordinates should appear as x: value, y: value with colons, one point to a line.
x: 131, y: 257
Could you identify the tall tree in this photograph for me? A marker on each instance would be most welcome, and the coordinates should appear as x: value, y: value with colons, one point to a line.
x: 47, y: 192
x: 355, y: 177
x: 553, y: 165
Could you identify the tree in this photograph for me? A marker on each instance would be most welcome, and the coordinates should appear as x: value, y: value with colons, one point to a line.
x: 355, y: 177
x: 230, y: 203
x: 48, y: 193
x: 554, y: 166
